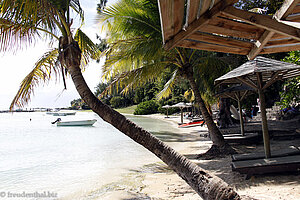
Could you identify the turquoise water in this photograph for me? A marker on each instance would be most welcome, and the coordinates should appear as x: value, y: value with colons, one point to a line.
x: 37, y: 156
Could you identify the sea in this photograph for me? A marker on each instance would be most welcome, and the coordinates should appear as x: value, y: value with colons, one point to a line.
x: 39, y: 160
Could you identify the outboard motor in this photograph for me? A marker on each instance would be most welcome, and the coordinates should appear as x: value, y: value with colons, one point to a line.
x: 58, y: 120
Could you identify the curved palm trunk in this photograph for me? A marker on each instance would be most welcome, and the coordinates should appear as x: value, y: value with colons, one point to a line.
x: 215, y: 134
x: 219, y: 145
x: 207, y: 186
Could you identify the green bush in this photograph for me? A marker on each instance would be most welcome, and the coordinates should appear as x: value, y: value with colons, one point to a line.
x: 117, y: 102
x: 146, y: 107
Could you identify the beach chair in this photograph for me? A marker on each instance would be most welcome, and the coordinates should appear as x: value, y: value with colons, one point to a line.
x: 266, y: 166
x: 292, y: 150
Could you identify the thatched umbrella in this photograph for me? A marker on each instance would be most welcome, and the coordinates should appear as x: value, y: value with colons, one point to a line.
x: 181, y: 105
x: 167, y: 107
x: 259, y: 74
x: 238, y: 93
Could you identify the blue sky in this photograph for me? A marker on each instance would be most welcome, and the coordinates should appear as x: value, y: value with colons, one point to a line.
x: 15, y: 66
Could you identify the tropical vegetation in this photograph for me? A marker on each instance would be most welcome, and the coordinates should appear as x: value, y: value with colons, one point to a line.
x: 290, y: 94
x: 23, y: 21
x: 135, y: 56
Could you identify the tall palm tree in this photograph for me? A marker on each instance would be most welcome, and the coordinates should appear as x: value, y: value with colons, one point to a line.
x: 21, y: 21
x: 136, y: 56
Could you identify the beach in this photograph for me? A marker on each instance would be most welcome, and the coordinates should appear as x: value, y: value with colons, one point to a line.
x: 157, y: 182
x: 99, y: 162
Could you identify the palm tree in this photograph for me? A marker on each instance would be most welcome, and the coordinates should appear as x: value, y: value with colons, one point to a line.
x: 136, y: 56
x: 21, y: 21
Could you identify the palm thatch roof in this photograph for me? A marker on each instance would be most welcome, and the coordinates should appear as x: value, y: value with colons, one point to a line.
x: 216, y: 25
x: 270, y: 70
x: 237, y: 92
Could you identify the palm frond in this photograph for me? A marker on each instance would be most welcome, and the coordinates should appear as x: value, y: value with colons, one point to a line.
x: 207, y: 69
x: 75, y: 5
x: 43, y: 70
x: 89, y: 49
x: 168, y: 86
x: 130, y: 54
x: 130, y: 79
x: 21, y: 20
x: 130, y: 17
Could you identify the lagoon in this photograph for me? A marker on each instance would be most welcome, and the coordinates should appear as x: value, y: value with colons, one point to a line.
x: 37, y: 156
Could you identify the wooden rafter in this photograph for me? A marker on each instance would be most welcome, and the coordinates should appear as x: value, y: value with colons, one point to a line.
x: 197, y: 24
x: 263, y: 21
x: 250, y: 84
x: 285, y: 9
x: 217, y: 39
x: 216, y: 25
x: 272, y: 80
x: 211, y: 47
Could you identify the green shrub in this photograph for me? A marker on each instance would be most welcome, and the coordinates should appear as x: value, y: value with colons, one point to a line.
x: 146, y: 107
x: 117, y: 102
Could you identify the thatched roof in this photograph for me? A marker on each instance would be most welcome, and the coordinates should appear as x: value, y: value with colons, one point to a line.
x: 270, y: 70
x: 216, y: 25
x: 237, y: 92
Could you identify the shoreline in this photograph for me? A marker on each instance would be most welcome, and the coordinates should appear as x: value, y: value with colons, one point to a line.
x: 156, y: 181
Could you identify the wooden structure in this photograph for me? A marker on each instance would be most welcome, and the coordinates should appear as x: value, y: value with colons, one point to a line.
x: 237, y: 93
x: 259, y: 74
x: 181, y: 105
x: 167, y: 107
x: 216, y: 25
x: 291, y: 151
x: 270, y: 165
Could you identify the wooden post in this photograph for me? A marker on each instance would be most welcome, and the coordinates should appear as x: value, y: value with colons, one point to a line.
x: 264, y: 118
x: 181, y: 115
x: 241, y: 118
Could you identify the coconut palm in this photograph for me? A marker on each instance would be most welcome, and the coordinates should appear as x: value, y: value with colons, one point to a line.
x: 136, y: 56
x: 21, y: 21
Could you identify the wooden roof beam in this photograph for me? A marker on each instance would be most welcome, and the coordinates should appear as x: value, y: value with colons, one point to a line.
x: 217, y: 39
x: 274, y: 78
x: 197, y: 24
x: 263, y: 21
x: 247, y: 82
x: 283, y: 12
x: 193, y: 44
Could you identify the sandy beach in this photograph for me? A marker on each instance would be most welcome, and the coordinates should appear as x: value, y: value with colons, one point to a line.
x: 157, y: 182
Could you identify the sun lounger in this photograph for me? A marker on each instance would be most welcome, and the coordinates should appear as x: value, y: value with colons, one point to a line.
x: 292, y: 150
x: 264, y: 166
x: 238, y: 138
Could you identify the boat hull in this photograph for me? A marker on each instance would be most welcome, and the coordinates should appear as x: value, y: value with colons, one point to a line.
x: 191, y: 124
x: 63, y: 114
x: 77, y: 123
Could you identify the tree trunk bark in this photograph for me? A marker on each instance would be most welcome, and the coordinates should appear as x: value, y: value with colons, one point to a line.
x: 224, y: 113
x: 206, y: 185
x: 219, y: 147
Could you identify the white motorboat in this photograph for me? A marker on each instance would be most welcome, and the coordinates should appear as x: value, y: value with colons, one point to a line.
x: 75, y: 123
x: 61, y: 113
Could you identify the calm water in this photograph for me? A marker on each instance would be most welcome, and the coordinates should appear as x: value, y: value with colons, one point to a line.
x: 37, y: 156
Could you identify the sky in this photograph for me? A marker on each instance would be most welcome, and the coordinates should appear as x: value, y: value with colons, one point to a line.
x: 15, y: 66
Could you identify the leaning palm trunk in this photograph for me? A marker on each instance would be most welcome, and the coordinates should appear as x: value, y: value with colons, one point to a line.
x: 219, y: 147
x: 207, y: 186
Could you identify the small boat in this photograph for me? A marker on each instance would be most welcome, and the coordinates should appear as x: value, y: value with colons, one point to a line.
x: 63, y: 113
x: 74, y: 123
x: 60, y: 113
x: 191, y: 124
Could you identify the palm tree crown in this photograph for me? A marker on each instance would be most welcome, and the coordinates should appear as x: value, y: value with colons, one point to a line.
x: 22, y: 21
x: 135, y: 56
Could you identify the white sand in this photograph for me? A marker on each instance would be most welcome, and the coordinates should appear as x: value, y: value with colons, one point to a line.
x: 157, y: 182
